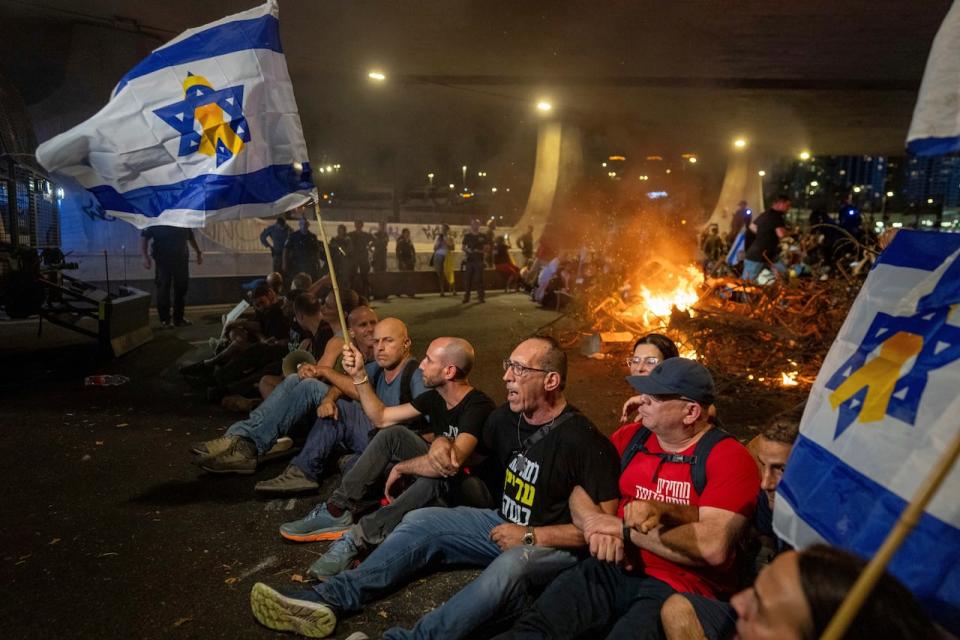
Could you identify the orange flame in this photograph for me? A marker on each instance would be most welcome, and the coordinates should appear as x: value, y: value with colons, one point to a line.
x: 676, y: 288
x: 789, y: 379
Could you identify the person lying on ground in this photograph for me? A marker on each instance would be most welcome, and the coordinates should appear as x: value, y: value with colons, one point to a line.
x: 456, y: 411
x: 546, y: 448
x: 673, y: 462
x: 293, y: 401
x: 396, y: 379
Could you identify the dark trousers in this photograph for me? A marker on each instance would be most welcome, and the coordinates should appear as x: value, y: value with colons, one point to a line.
x: 474, y: 279
x: 278, y: 262
x: 173, y: 273
x: 597, y: 600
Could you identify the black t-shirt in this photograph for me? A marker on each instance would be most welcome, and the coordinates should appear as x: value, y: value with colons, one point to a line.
x: 538, y: 483
x: 766, y: 246
x: 361, y: 241
x: 468, y: 416
x: 473, y: 244
x: 168, y: 242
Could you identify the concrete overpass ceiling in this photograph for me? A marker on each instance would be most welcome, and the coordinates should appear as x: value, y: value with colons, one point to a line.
x: 835, y: 77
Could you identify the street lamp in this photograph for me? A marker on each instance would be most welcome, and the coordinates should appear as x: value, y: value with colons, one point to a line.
x: 740, y: 143
x: 544, y: 106
x: 430, y: 178
x: 377, y: 76
x: 464, y: 169
x: 761, y: 173
x: 804, y: 155
x: 692, y: 159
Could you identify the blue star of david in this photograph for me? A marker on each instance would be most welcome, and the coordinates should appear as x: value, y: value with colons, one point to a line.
x: 180, y: 116
x: 941, y: 346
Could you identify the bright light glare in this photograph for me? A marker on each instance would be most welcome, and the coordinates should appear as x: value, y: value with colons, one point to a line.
x: 692, y: 160
x: 889, y: 194
x: 761, y: 173
x: 804, y: 155
x: 814, y: 184
x: 740, y: 143
x: 856, y: 189
x: 544, y: 106
x: 379, y: 76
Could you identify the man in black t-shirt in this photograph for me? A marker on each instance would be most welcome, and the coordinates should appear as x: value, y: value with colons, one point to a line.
x: 361, y: 242
x: 301, y: 253
x: 770, y: 227
x: 546, y: 448
x: 474, y: 244
x: 455, y: 410
x: 169, y: 251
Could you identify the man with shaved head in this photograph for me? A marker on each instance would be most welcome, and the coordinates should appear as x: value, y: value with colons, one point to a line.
x: 395, y: 378
x: 545, y: 448
x: 456, y: 411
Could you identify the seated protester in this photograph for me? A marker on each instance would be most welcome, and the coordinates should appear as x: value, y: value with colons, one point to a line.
x: 295, y: 399
x: 275, y: 282
x: 687, y: 615
x: 394, y: 377
x: 503, y: 262
x: 547, y: 448
x: 798, y: 594
x: 661, y: 551
x: 456, y: 410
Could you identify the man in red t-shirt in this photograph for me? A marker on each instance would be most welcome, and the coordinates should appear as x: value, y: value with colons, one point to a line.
x: 667, y: 536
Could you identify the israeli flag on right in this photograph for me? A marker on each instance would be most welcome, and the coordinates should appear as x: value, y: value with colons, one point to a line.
x: 935, y: 127
x: 884, y: 407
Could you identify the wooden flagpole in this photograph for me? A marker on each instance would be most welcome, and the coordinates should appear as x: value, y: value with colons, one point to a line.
x: 861, y: 590
x: 333, y: 275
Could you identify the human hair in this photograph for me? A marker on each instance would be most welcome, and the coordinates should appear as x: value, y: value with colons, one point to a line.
x: 306, y: 304
x: 554, y: 358
x: 461, y: 355
x: 262, y: 289
x: 281, y: 220
x: 350, y: 314
x: 782, y: 197
x: 890, y: 611
x: 349, y: 299
x: 663, y: 344
x: 301, y: 281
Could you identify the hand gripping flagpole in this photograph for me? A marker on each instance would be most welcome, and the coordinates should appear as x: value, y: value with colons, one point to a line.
x: 844, y: 616
x: 333, y: 275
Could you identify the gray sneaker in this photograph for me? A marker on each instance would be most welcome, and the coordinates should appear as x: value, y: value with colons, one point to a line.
x: 213, y: 447
x: 338, y: 558
x: 241, y: 457
x: 292, y: 480
x: 318, y: 525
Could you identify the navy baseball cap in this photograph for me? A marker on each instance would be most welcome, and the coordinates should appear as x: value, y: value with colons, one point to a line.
x: 680, y: 376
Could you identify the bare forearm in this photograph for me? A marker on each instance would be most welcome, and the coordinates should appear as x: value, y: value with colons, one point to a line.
x: 683, y: 545
x: 372, y: 405
x: 332, y: 395
x: 419, y: 466
x: 560, y: 536
x: 341, y: 382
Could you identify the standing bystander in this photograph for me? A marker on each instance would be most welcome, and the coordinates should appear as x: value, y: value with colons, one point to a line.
x: 170, y: 252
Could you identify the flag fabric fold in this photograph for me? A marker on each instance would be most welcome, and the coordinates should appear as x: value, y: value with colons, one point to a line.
x: 883, y: 409
x: 206, y: 128
x: 935, y: 127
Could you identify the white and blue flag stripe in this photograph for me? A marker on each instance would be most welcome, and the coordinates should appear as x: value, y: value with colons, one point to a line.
x: 883, y: 409
x: 206, y: 128
x: 935, y: 127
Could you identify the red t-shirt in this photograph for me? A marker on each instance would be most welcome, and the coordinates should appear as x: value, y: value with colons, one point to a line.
x: 732, y: 485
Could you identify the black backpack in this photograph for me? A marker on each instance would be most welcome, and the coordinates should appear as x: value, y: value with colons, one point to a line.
x: 697, y: 462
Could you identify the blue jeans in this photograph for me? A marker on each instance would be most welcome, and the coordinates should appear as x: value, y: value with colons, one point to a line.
x: 292, y: 401
x: 458, y: 536
x: 351, y: 428
x: 752, y: 269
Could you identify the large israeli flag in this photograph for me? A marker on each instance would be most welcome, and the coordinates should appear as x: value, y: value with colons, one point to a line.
x: 884, y: 407
x: 935, y: 128
x: 205, y: 128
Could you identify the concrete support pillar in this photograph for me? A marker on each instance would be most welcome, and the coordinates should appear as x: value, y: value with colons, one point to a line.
x: 741, y: 182
x: 558, y: 168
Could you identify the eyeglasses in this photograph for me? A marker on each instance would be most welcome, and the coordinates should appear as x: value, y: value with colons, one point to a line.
x: 651, y: 361
x: 520, y: 369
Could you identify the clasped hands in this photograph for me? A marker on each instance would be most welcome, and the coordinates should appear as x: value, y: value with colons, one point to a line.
x: 604, y: 532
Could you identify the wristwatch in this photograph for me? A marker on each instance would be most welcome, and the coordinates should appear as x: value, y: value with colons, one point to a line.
x: 529, y: 538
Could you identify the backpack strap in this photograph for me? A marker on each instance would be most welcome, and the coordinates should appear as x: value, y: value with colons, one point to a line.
x: 406, y: 394
x: 697, y: 462
x: 545, y: 430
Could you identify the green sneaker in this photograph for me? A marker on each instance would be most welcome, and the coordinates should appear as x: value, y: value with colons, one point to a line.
x: 292, y: 480
x: 241, y: 457
x: 297, y: 609
x: 213, y: 447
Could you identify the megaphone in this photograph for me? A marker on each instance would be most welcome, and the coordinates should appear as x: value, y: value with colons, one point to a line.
x: 294, y: 359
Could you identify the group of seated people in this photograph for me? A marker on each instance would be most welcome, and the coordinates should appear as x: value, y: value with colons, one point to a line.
x: 648, y: 533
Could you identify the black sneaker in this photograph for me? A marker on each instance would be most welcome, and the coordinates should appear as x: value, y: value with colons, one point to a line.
x: 182, y: 323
